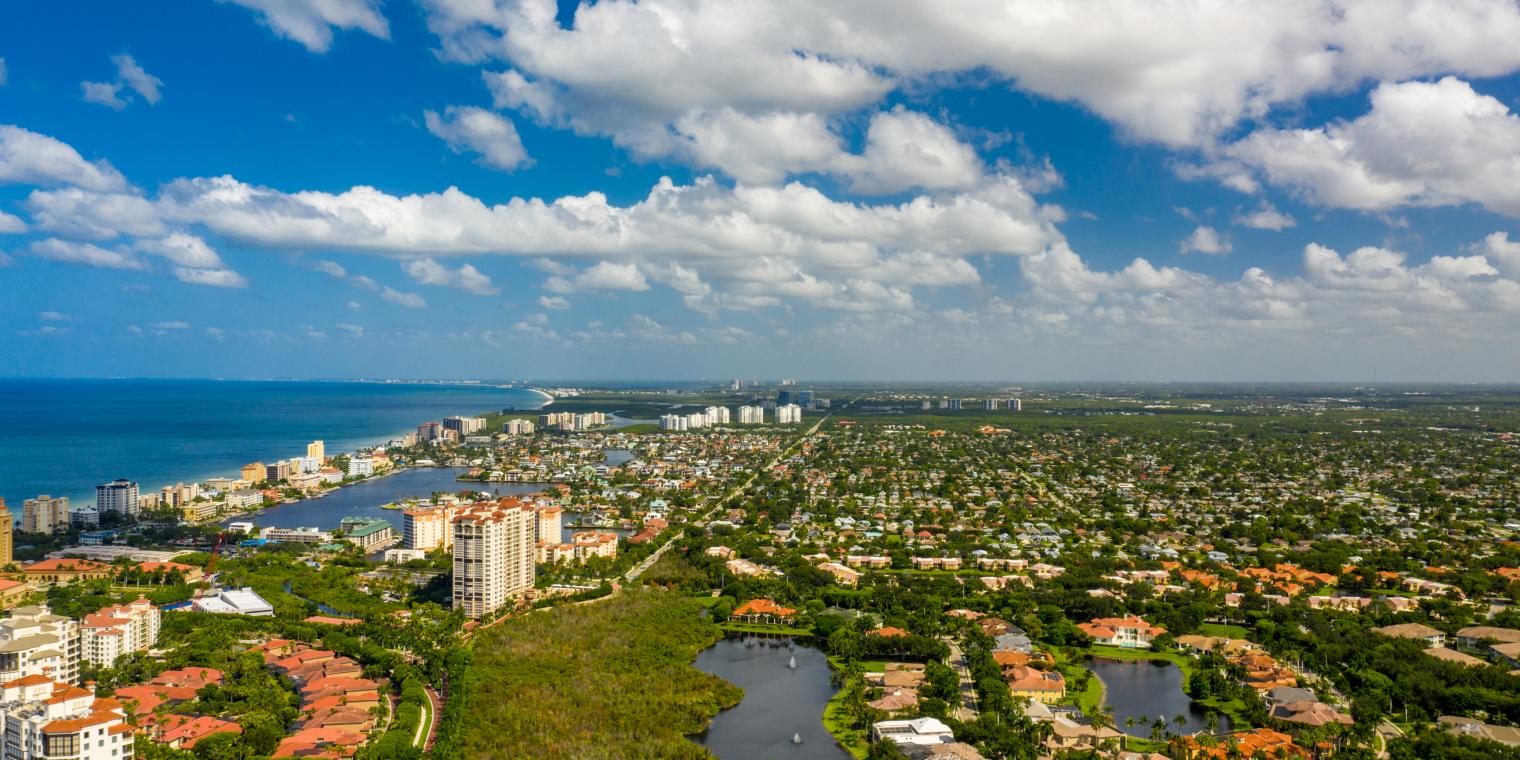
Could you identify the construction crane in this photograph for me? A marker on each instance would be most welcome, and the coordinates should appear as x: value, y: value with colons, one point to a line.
x: 215, y: 550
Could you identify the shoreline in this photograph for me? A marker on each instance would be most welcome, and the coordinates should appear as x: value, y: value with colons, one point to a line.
x: 86, y: 499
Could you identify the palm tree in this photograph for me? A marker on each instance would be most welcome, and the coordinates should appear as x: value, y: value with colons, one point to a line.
x: 1181, y: 721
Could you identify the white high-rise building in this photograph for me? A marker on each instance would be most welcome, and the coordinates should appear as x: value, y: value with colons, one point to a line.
x: 119, y: 497
x: 517, y: 427
x: 672, y: 422
x: 45, y: 719
x: 35, y: 642
x: 493, y: 555
x: 751, y: 415
x: 1015, y: 405
x: 118, y: 630
x: 788, y: 413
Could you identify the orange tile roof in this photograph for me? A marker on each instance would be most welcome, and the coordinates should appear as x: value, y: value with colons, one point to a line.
x: 764, y: 607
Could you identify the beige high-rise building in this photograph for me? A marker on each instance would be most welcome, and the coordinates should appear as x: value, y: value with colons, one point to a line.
x: 549, y: 521
x: 317, y: 449
x: 493, y: 555
x: 7, y: 529
x: 427, y: 528
x: 45, y: 514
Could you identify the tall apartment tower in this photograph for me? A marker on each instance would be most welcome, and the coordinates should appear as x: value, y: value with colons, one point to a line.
x: 45, y: 514
x: 317, y: 450
x: 427, y: 528
x: 118, y: 496
x: 7, y: 528
x: 493, y: 555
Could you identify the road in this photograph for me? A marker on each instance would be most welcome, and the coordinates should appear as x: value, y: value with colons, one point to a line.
x: 637, y: 570
x: 431, y: 713
x: 967, y: 709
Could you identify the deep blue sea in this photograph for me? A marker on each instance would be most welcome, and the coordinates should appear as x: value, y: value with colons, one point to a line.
x: 62, y: 437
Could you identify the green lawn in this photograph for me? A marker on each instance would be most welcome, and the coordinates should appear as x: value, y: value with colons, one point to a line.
x: 854, y: 741
x: 1224, y: 631
x: 761, y: 628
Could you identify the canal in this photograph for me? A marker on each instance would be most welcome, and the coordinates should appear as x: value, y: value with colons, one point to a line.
x: 1148, y: 690
x: 779, y: 702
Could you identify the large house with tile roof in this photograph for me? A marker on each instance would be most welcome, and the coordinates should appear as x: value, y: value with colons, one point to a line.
x: 1130, y: 631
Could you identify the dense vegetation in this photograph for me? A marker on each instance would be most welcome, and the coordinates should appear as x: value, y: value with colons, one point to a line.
x: 609, y: 679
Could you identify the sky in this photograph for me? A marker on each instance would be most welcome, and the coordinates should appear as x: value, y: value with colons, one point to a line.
x: 1321, y: 190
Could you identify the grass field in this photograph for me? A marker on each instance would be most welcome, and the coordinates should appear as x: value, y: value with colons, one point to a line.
x: 1223, y: 630
x: 598, y: 682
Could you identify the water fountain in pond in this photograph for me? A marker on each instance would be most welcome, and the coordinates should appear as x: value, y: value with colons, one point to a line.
x: 796, y: 738
x: 792, y: 665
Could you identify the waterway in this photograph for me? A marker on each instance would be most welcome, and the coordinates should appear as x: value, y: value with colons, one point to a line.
x: 778, y: 702
x: 366, y: 499
x: 1147, y: 690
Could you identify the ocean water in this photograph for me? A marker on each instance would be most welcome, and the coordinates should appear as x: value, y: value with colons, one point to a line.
x: 63, y: 437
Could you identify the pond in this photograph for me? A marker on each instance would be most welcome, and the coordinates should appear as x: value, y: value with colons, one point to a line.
x: 1146, y: 690
x: 616, y: 457
x: 778, y: 701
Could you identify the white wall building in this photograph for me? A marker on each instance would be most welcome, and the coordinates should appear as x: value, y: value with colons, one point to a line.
x: 788, y: 413
x: 234, y: 601
x: 118, y: 496
x: 751, y: 415
x: 117, y: 630
x: 45, y: 719
x: 35, y: 642
x: 360, y: 466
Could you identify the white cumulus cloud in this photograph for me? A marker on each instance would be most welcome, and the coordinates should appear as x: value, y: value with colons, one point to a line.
x: 311, y: 22
x: 1421, y: 144
x: 467, y: 129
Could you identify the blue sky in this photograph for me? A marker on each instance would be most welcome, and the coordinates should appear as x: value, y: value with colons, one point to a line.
x: 680, y: 189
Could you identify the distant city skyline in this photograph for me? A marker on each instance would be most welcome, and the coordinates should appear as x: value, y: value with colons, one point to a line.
x: 1318, y: 190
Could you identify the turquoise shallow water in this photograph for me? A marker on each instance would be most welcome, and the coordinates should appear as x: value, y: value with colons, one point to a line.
x: 62, y: 437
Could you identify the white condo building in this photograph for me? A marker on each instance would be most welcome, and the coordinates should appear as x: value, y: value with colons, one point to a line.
x: 35, y: 642
x: 48, y: 720
x: 788, y: 413
x: 118, y: 630
x: 751, y: 415
x: 493, y: 556
x: 517, y: 427
x: 360, y: 466
x: 118, y: 496
x: 716, y: 415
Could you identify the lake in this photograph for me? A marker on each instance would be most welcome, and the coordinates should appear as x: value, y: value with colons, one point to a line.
x: 365, y: 499
x: 1146, y: 690
x: 778, y: 702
